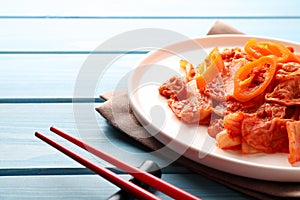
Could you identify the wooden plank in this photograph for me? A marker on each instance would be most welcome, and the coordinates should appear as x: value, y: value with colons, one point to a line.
x: 94, y: 187
x: 43, y: 75
x: 54, y: 76
x: 149, y: 8
x: 81, y: 34
x: 20, y: 149
x: 85, y: 35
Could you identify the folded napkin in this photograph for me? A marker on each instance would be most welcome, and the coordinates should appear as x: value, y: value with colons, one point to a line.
x: 118, y: 102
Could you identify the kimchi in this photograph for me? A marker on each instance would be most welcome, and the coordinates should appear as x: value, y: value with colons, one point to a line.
x: 248, y: 97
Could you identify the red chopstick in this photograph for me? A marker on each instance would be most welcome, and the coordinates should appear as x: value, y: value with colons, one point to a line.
x: 102, y: 171
x: 145, y: 177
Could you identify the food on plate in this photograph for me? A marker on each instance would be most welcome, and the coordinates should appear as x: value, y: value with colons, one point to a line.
x: 248, y: 97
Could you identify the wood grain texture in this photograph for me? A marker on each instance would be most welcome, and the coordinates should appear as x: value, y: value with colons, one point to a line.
x: 23, y: 35
x: 44, y: 44
x: 44, y: 76
x: 21, y: 149
x: 150, y: 8
x: 94, y: 187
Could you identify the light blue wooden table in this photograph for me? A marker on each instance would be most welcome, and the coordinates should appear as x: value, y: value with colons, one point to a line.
x: 43, y: 45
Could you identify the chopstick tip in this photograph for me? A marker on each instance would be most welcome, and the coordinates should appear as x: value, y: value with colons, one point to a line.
x: 51, y: 128
x: 38, y: 134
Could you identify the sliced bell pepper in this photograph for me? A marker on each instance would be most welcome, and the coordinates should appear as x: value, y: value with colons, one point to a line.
x: 188, y: 69
x: 258, y: 49
x: 253, y: 78
x: 215, y: 59
x: 209, y: 69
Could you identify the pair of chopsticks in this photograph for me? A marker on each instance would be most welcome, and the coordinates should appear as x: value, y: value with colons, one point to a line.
x: 147, y: 178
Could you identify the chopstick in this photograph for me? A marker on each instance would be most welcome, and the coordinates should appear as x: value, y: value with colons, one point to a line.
x: 153, y: 181
x: 102, y: 171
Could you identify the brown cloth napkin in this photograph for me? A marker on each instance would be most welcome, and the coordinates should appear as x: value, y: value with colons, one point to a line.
x: 124, y: 120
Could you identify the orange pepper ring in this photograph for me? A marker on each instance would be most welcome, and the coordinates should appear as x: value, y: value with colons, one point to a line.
x: 242, y: 78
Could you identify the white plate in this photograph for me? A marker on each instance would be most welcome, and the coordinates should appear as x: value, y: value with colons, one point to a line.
x: 192, y: 141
